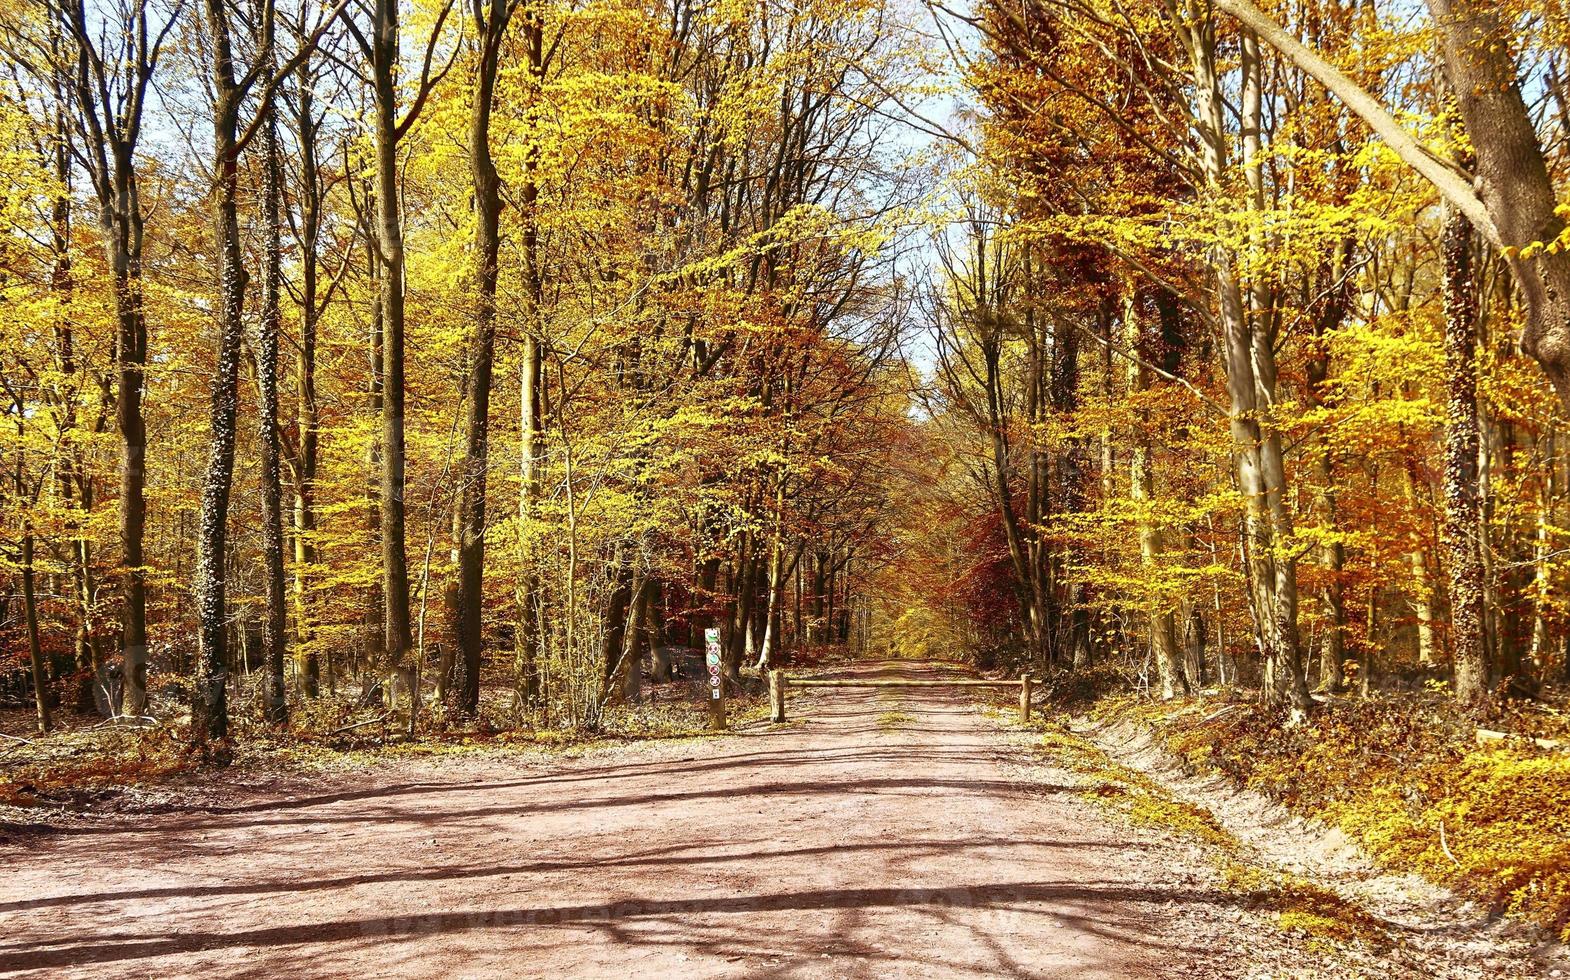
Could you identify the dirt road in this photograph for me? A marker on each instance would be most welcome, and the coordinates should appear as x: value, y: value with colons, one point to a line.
x: 882, y: 833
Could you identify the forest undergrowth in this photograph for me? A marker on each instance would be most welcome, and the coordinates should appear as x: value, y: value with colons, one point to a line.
x: 82, y: 765
x: 1297, y: 905
x: 1405, y: 776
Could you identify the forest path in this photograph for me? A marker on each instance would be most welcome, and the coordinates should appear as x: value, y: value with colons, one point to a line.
x: 881, y: 833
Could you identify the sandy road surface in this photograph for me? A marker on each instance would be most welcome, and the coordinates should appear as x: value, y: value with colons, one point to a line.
x: 883, y: 833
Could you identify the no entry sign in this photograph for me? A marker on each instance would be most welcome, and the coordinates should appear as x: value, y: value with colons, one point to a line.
x: 711, y: 659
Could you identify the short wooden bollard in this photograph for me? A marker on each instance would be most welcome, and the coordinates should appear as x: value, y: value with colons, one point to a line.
x: 1024, y: 698
x: 776, y: 696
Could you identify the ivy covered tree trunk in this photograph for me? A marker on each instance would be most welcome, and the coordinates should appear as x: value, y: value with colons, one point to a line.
x: 209, y: 705
x: 1463, y: 502
x: 275, y: 616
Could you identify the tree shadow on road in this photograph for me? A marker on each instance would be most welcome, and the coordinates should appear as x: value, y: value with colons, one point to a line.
x: 1107, y: 909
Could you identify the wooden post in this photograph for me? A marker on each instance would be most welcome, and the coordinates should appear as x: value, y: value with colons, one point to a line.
x: 777, y: 696
x: 1024, y: 698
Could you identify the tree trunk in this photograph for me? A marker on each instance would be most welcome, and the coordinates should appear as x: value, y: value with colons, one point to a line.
x: 532, y: 394
x: 630, y: 668
x: 389, y: 241
x: 997, y: 428
x: 35, y: 652
x: 1463, y: 502
x: 1067, y: 479
x: 270, y: 327
x: 491, y: 26
x: 1249, y: 361
x: 1506, y: 569
x: 745, y: 589
x: 72, y: 477
x: 1422, y: 575
x: 768, y: 653
x: 626, y: 584
x: 1542, y: 567
x: 123, y: 238
x: 1332, y: 553
x: 109, y: 154
x: 1163, y: 635
x: 375, y: 606
x: 308, y: 666
x: 819, y: 628
x: 209, y: 707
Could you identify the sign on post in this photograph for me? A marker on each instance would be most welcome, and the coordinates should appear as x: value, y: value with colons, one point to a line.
x: 711, y: 659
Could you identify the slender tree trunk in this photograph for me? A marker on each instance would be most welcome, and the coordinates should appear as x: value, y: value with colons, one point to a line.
x: 209, y: 707
x: 1542, y: 569
x: 89, y: 650
x: 1068, y: 480
x: 308, y: 666
x: 1002, y: 490
x: 1463, y: 502
x: 797, y: 595
x: 531, y: 420
x: 745, y: 582
x: 491, y: 27
x: 72, y: 476
x: 1422, y: 576
x: 109, y: 153
x: 375, y: 606
x: 1249, y: 360
x: 1506, y: 569
x: 639, y: 618
x: 832, y: 610
x: 768, y: 654
x: 124, y: 230
x: 626, y: 583
x: 35, y: 652
x: 1163, y: 635
x: 1332, y: 553
x: 389, y: 244
x: 819, y: 628
x: 270, y: 327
